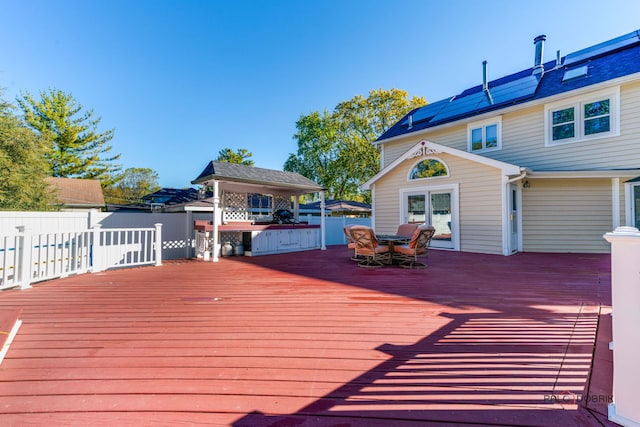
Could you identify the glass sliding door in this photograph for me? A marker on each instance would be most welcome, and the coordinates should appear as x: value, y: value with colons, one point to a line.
x: 416, y: 208
x: 433, y: 207
x: 440, y: 217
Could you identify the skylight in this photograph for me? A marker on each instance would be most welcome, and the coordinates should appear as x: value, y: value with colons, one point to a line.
x: 575, y: 73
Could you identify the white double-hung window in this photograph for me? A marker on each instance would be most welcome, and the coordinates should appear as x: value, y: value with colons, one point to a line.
x: 588, y: 117
x: 485, y: 135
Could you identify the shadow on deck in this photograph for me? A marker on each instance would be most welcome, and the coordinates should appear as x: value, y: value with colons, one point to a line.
x: 310, y: 339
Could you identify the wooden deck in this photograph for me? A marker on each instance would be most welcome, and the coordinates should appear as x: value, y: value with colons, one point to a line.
x: 310, y: 339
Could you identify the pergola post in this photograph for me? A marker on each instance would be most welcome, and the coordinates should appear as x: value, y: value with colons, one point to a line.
x: 215, y: 257
x: 323, y: 239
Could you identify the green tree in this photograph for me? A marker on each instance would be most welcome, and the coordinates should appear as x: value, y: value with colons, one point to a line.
x: 319, y: 154
x: 133, y: 184
x: 343, y: 140
x: 240, y: 156
x: 22, y: 165
x: 76, y: 148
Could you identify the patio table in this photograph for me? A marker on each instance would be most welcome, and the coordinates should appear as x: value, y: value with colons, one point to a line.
x: 391, y: 240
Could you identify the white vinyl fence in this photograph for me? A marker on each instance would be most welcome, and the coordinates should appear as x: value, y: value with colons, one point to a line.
x: 65, y: 243
x: 334, y: 227
x: 27, y: 258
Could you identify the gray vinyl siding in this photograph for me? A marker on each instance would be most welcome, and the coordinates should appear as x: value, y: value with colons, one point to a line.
x: 569, y: 215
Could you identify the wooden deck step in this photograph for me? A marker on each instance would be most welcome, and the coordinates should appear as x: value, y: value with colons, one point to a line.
x: 9, y: 324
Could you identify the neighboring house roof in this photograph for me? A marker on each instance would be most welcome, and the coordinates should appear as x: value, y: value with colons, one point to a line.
x: 600, y: 63
x: 232, y: 172
x: 172, y: 196
x: 206, y: 205
x: 77, y: 193
x: 338, y: 206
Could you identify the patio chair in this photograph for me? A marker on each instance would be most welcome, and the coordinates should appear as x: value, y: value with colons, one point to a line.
x: 374, y: 255
x: 407, y: 230
x: 408, y: 254
x: 351, y: 245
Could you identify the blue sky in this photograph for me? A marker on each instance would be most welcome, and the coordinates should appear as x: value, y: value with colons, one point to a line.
x: 180, y: 80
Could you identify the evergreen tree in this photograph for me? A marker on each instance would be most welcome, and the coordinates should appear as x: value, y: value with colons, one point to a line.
x: 76, y: 148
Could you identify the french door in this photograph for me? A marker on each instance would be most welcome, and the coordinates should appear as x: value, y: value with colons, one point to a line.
x: 436, y: 207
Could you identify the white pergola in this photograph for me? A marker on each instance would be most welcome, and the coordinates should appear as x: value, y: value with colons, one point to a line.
x: 223, y: 177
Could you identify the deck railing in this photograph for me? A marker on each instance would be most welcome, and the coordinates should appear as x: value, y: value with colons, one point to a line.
x: 27, y: 258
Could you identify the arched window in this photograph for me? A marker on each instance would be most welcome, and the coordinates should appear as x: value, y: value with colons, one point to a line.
x: 428, y: 168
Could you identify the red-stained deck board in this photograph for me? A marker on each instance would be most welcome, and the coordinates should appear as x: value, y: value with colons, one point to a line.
x: 311, y: 339
x: 9, y: 325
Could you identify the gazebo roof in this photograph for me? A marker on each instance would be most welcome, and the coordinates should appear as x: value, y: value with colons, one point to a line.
x: 255, y: 179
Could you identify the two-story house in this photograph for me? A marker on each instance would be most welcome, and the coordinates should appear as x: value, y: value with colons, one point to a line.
x: 543, y: 160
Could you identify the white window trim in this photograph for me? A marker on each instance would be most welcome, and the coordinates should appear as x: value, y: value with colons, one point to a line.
x: 613, y: 94
x: 483, y: 124
x: 429, y: 177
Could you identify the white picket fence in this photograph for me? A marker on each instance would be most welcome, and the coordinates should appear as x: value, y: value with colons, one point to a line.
x: 26, y: 257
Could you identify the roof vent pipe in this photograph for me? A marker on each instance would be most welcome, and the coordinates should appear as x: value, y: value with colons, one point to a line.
x: 538, y: 68
x: 485, y: 82
x: 485, y: 85
x: 558, y: 59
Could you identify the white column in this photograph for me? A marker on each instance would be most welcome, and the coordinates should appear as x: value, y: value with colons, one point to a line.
x: 296, y: 208
x: 323, y: 245
x: 625, y: 298
x: 158, y: 244
x: 217, y: 217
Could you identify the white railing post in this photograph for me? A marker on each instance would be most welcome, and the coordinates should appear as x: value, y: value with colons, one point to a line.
x: 97, y: 251
x: 23, y: 270
x: 188, y: 247
x: 158, y: 244
x: 625, y: 295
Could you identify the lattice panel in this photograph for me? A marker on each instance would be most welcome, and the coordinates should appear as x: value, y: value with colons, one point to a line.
x: 174, y: 244
x: 234, y: 207
x: 234, y: 238
x: 281, y: 202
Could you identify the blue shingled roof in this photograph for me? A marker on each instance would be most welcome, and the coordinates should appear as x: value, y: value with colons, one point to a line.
x: 605, y: 61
